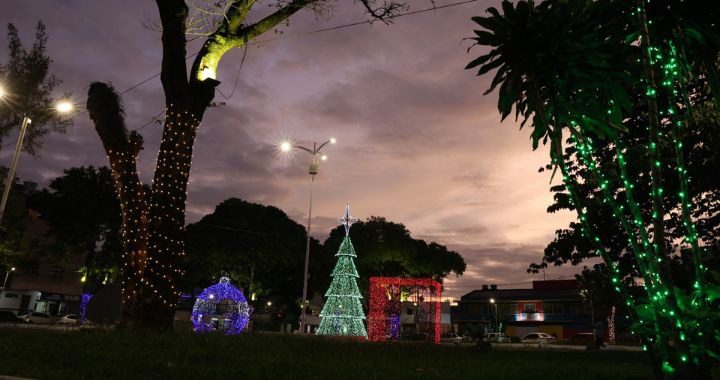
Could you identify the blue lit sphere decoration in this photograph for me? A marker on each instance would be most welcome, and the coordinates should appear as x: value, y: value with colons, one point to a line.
x: 235, y: 317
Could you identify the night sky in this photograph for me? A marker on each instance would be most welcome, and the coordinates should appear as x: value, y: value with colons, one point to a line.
x: 418, y: 143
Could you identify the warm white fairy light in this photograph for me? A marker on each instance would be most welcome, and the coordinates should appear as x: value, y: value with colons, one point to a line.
x: 153, y: 265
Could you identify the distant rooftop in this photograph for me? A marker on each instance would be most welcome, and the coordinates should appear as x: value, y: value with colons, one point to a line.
x: 541, y: 290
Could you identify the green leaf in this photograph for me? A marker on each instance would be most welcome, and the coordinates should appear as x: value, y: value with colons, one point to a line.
x: 489, y: 66
x: 645, y: 312
x: 478, y: 61
x: 713, y: 293
x: 489, y: 23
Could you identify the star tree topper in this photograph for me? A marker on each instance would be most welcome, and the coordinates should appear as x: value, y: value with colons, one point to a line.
x: 347, y: 220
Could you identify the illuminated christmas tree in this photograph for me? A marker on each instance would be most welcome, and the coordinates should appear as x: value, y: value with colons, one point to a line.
x: 343, y: 314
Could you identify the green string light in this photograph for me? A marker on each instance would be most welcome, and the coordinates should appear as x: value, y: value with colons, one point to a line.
x: 343, y: 314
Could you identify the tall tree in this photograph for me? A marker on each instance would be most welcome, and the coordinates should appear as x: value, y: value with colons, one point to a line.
x: 259, y: 247
x: 596, y: 290
x: 84, y: 218
x: 154, y: 221
x: 568, y: 75
x: 27, y: 86
x: 388, y: 250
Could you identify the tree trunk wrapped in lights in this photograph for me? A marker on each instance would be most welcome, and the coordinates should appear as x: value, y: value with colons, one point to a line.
x: 154, y: 217
x: 582, y: 78
x: 343, y: 314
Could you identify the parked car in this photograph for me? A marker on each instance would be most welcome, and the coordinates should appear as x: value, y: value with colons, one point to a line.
x: 538, y: 337
x: 68, y: 319
x: 7, y: 316
x: 497, y: 337
x: 453, y: 338
x: 37, y: 317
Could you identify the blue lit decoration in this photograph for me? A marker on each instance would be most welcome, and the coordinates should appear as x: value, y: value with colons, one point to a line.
x: 84, y: 299
x: 231, y: 317
x: 395, y: 326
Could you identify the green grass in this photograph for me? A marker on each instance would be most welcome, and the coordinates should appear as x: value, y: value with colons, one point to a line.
x: 183, y: 355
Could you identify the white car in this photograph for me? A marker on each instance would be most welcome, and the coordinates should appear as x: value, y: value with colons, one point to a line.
x: 37, y: 317
x: 454, y: 338
x: 538, y: 337
x: 69, y: 319
x: 497, y: 337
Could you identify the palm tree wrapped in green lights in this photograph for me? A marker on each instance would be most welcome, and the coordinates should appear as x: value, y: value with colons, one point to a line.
x: 343, y: 314
x: 601, y: 93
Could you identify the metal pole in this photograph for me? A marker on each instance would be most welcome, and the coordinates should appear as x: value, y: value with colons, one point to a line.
x: 497, y: 325
x: 11, y: 173
x: 307, y: 259
x: 6, y: 277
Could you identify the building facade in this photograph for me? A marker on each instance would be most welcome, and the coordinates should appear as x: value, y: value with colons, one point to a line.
x: 554, y: 307
x: 42, y: 281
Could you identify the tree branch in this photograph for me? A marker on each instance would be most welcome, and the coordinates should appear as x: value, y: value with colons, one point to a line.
x: 173, y: 16
x: 387, y: 11
x: 237, y: 13
x: 272, y: 20
x: 231, y: 33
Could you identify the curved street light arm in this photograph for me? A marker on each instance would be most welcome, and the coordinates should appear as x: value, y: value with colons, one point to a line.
x: 321, y: 146
x: 304, y: 148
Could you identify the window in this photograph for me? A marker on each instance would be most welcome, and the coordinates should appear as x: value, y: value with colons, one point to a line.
x: 410, y: 311
x: 529, y: 308
x: 553, y: 308
x: 11, y: 295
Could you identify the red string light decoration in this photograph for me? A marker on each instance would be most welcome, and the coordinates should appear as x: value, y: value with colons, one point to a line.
x: 381, y: 291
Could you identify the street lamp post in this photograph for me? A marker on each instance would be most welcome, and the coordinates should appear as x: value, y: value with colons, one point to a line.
x: 13, y: 165
x: 316, y: 157
x: 7, y: 274
x: 492, y: 301
x: 62, y: 107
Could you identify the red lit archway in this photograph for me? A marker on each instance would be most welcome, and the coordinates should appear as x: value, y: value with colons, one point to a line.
x: 381, y: 290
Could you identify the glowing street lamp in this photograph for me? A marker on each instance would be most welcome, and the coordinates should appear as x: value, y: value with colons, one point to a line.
x: 62, y: 107
x: 287, y: 146
x: 7, y: 273
x: 492, y: 301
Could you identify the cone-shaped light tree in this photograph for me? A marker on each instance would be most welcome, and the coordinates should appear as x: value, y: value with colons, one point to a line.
x: 343, y: 314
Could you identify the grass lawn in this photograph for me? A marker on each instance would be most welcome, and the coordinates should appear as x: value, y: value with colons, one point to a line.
x: 182, y: 355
